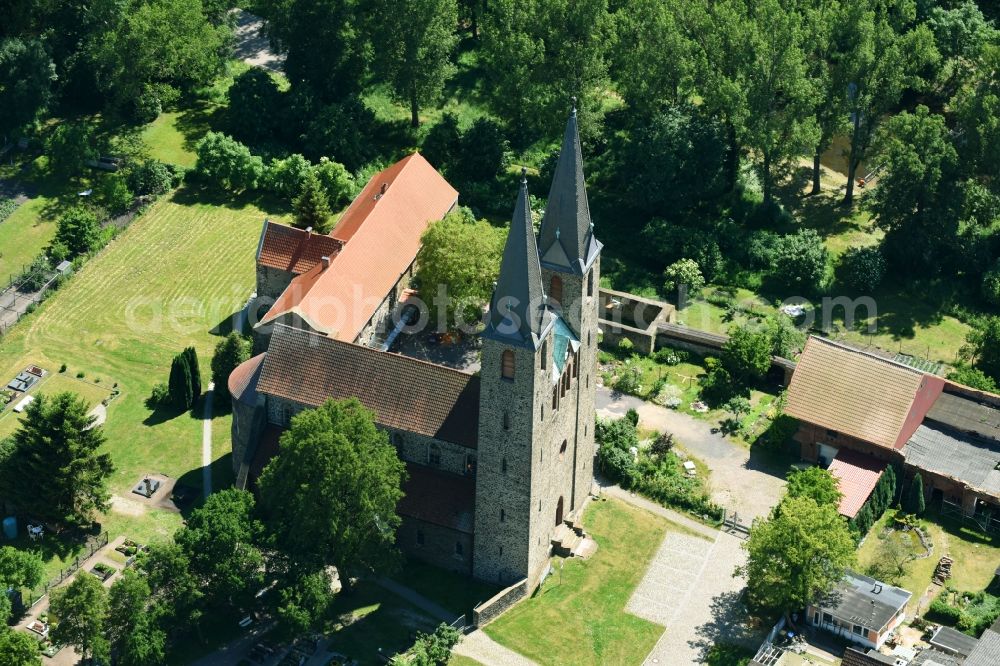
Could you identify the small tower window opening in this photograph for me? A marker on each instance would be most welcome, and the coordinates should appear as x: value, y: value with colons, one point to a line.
x: 434, y: 455
x: 562, y: 449
x: 545, y: 354
x: 555, y: 398
x: 590, y: 283
x: 503, y: 466
x: 506, y: 420
x: 556, y: 291
x: 507, y: 365
x: 503, y: 515
x: 420, y: 537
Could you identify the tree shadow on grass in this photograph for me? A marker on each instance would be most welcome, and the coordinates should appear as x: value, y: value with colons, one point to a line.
x: 163, y: 413
x: 196, y: 120
x: 227, y: 325
x: 193, y: 193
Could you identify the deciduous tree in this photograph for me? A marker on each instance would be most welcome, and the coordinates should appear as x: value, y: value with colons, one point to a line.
x: 27, y: 74
x: 229, y: 353
x: 79, y: 230
x: 18, y: 648
x: 797, y: 555
x: 815, y: 483
x: 414, y: 49
x: 462, y: 255
x: 329, y: 496
x: 18, y: 569
x: 133, y: 632
x: 81, y: 609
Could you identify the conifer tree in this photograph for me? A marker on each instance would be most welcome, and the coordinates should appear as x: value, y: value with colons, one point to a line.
x: 179, y: 383
x: 312, y: 208
x: 192, y: 360
x: 915, y: 500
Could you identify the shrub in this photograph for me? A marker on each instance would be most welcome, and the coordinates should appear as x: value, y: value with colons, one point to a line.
x: 80, y: 374
x: 800, y: 261
x: 79, y: 230
x: 150, y: 177
x: 629, y: 381
x: 738, y: 406
x: 227, y: 163
x: 616, y: 464
x: 668, y: 356
x: 746, y: 355
x: 632, y: 416
x: 336, y: 181
x: 973, y: 378
x: 625, y: 345
x: 862, y: 268
x: 941, y: 612
x: 62, y: 368
x: 114, y: 194
x: 684, y: 272
x: 991, y: 284
x: 717, y: 386
x: 7, y: 207
x: 286, y: 177
x: 620, y: 433
x: 443, y: 143
x: 36, y: 274
x: 662, y: 444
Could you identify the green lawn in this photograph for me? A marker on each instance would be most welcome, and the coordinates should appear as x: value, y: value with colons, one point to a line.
x: 458, y: 593
x: 92, y: 392
x: 23, y: 236
x: 179, y: 271
x: 587, y: 601
x: 976, y: 555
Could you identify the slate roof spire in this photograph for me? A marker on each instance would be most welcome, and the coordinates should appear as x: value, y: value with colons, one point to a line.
x: 567, y: 236
x: 518, y: 314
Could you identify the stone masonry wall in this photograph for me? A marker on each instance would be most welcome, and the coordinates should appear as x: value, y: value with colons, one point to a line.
x: 440, y: 545
x: 421, y: 449
x: 491, y: 609
x: 271, y: 282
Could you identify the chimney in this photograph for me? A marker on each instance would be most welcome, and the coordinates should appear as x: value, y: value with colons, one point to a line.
x: 326, y: 262
x: 309, y: 232
x: 385, y: 186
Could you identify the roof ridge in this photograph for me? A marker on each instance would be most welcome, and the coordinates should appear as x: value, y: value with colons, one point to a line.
x: 857, y: 350
x: 403, y: 357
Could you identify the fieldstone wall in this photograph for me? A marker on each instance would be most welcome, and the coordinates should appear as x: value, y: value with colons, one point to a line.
x: 443, y: 547
x: 492, y: 608
x: 421, y: 449
x: 248, y: 423
x: 271, y: 282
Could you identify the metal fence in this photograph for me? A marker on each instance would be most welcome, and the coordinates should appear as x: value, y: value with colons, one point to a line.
x: 92, y: 545
x: 16, y: 299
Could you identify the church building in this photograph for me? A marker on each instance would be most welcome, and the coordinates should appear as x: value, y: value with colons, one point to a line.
x: 500, y: 460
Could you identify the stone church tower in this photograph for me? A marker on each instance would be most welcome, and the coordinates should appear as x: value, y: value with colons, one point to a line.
x: 536, y: 412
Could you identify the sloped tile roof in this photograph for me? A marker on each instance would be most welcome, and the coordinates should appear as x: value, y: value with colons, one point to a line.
x: 987, y: 651
x: 294, y: 250
x: 856, y: 476
x: 404, y: 393
x: 439, y: 498
x: 852, y: 392
x: 381, y: 231
x: 855, y: 657
x: 243, y: 380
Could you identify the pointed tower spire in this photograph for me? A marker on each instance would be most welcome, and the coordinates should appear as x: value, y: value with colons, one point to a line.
x: 517, y: 311
x: 567, y: 237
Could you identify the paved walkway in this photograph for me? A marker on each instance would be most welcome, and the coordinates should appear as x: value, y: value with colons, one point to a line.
x: 689, y: 589
x: 206, y: 441
x: 252, y: 46
x: 740, y: 482
x: 488, y: 652
x: 432, y: 608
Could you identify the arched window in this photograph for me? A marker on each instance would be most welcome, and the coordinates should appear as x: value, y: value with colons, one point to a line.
x: 506, y: 420
x: 507, y: 364
x: 544, y: 354
x: 562, y: 449
x: 555, y: 291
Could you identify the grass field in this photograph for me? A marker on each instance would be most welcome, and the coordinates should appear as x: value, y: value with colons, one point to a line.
x: 92, y: 393
x: 587, y: 601
x: 976, y: 555
x: 179, y: 271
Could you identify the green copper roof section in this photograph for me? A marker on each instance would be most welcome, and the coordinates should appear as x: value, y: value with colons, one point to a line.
x: 567, y: 235
x: 518, y: 314
x: 564, y: 343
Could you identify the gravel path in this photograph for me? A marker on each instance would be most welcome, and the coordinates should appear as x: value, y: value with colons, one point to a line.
x: 740, y: 481
x: 206, y: 441
x: 488, y: 652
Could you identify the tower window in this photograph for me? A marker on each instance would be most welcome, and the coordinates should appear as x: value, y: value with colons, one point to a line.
x: 507, y: 364
x: 562, y: 448
x: 590, y: 283
x: 420, y: 537
x: 434, y: 455
x: 556, y: 291
x: 503, y: 466
x: 545, y: 355
x: 506, y: 420
x: 541, y: 412
x: 503, y: 515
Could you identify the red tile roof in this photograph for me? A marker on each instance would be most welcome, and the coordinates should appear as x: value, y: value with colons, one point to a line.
x: 856, y: 476
x: 853, y: 392
x: 295, y: 250
x: 243, y: 380
x: 404, y: 393
x: 439, y: 498
x: 382, y: 233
